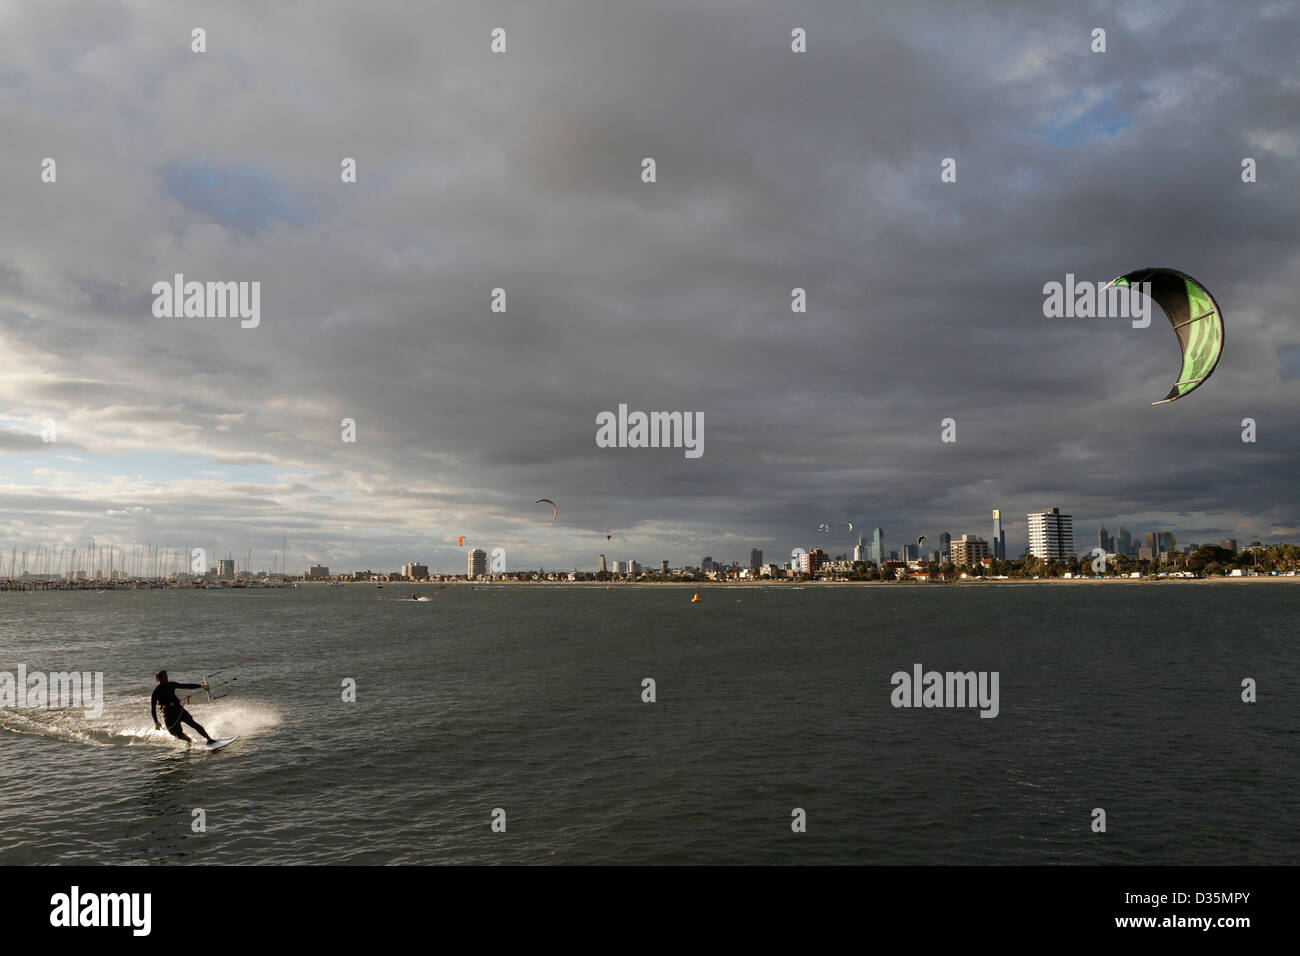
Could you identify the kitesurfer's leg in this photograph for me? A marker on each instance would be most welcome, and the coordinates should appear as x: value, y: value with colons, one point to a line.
x: 172, y: 721
x: 186, y: 718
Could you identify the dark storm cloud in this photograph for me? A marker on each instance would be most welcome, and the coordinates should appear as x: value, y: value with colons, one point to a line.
x: 775, y: 170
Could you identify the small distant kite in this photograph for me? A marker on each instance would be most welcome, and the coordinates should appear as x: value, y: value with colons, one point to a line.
x: 823, y: 528
x: 1195, y: 317
x: 552, y: 504
x: 460, y: 541
x: 850, y: 524
x: 920, y: 541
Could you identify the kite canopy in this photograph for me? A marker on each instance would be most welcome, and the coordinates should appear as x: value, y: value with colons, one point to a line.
x: 552, y: 504
x: 1196, y: 320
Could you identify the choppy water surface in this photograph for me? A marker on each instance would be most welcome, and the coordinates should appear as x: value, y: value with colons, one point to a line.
x: 1120, y: 696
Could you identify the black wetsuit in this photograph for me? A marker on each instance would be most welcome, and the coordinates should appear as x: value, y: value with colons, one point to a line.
x: 173, y: 713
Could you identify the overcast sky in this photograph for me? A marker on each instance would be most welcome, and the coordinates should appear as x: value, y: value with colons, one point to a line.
x: 522, y: 170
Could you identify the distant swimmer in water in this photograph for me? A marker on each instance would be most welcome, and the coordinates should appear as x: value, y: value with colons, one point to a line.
x: 173, y: 713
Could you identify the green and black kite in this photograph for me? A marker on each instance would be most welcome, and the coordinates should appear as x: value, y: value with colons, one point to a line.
x: 1195, y: 317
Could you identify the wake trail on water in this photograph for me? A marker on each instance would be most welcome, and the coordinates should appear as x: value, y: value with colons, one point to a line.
x: 125, y: 721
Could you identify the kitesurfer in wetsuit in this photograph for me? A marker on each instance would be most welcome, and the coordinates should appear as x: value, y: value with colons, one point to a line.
x: 173, y: 713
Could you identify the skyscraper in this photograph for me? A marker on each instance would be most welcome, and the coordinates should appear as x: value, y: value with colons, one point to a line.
x: 999, y: 537
x: 1103, y: 540
x: 755, y: 559
x: 878, y: 546
x: 1051, y: 535
x: 477, y: 562
x: 1123, y: 541
x: 945, y: 546
x: 603, y: 567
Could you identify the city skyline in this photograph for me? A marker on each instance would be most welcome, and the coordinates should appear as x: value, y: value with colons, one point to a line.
x: 164, y: 559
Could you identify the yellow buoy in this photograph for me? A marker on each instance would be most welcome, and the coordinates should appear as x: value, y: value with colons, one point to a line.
x: 695, y: 598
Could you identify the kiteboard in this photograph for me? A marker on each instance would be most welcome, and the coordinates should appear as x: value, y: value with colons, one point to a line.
x: 218, y: 743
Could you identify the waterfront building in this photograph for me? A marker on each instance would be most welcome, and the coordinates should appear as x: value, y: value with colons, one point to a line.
x: 969, y: 551
x: 477, y: 562
x: 1051, y: 535
x: 811, y: 562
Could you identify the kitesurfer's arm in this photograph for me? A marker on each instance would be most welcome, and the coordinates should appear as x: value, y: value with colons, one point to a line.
x: 153, y: 707
x: 188, y: 686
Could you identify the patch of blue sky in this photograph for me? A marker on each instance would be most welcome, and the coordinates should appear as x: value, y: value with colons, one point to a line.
x: 242, y: 197
x: 1288, y: 359
x: 1075, y: 124
x: 20, y: 468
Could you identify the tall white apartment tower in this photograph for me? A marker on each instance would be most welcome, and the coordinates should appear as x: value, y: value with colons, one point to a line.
x: 1051, y: 535
x: 477, y: 562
